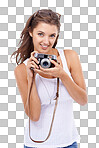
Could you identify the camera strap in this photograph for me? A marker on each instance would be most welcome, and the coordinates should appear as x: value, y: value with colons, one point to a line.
x: 57, y: 96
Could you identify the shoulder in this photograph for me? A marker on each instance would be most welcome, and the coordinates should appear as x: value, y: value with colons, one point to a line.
x: 71, y: 56
x: 20, y: 71
x: 70, y: 53
x: 20, y: 67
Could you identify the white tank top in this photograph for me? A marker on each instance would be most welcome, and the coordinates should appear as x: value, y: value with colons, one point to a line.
x: 64, y: 132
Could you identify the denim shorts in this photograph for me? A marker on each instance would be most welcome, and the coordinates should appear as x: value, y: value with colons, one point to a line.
x: 74, y: 145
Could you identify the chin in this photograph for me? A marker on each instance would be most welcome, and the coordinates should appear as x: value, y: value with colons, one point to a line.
x: 47, y: 51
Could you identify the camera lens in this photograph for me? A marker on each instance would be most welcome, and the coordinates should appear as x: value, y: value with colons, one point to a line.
x: 45, y: 63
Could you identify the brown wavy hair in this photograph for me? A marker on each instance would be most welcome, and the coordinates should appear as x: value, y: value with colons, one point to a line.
x: 26, y: 45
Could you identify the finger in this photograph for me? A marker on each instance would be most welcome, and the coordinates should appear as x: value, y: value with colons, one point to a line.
x: 45, y: 70
x: 32, y: 53
x: 33, y: 63
x: 37, y: 71
x: 53, y: 62
x: 33, y: 58
x: 31, y: 67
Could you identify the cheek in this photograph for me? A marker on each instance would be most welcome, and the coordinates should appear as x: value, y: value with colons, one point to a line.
x: 53, y: 41
x: 36, y: 40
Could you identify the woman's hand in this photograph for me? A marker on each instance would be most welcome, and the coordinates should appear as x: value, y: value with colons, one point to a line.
x: 55, y: 71
x: 32, y: 63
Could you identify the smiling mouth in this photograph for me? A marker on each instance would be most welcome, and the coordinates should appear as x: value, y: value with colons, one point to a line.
x: 44, y: 47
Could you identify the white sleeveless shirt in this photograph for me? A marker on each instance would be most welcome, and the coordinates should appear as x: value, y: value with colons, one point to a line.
x: 63, y: 132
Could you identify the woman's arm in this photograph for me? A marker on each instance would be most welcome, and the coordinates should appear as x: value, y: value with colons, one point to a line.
x: 76, y: 89
x: 24, y: 87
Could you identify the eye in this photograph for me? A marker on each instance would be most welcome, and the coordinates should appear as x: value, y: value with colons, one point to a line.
x: 40, y: 34
x: 52, y: 35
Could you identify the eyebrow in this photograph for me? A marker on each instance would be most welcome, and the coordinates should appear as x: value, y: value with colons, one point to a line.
x: 44, y: 33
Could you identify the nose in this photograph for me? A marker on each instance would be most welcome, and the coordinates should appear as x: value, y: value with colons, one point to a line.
x: 46, y: 40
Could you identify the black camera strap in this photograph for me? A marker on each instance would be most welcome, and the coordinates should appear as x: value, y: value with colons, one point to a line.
x: 57, y: 96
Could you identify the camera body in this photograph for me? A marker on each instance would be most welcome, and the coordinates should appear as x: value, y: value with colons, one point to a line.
x: 44, y: 60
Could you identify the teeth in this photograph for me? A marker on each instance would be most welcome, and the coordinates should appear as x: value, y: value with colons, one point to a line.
x: 44, y: 46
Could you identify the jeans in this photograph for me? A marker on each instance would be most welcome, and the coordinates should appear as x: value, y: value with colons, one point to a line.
x: 74, y: 145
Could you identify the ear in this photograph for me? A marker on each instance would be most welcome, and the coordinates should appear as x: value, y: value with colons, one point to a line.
x: 30, y: 33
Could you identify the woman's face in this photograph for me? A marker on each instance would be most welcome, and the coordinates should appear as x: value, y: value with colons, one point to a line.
x: 44, y: 36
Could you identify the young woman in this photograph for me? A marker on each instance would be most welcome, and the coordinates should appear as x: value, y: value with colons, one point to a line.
x: 40, y: 35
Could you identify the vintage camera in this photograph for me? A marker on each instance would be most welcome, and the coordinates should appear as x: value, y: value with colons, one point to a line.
x: 44, y: 60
